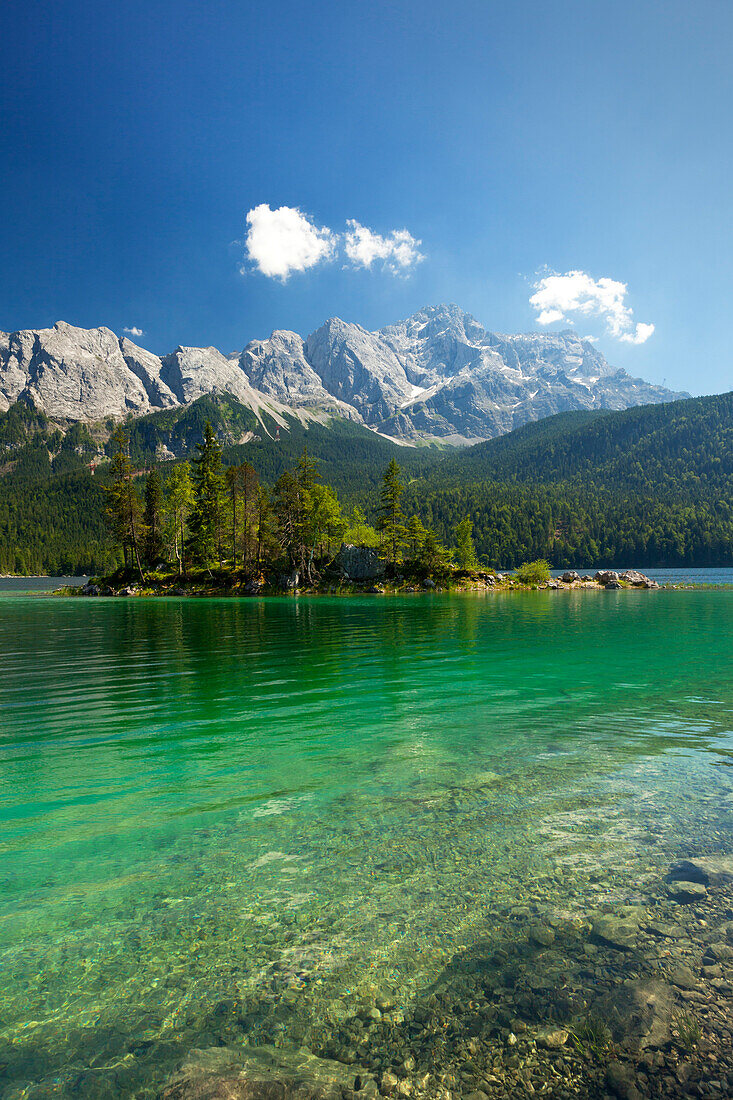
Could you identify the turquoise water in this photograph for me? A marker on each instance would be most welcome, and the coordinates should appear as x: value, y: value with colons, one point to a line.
x: 301, y: 805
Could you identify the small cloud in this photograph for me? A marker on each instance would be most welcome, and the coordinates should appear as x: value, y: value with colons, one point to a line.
x: 556, y: 296
x: 133, y: 331
x: 399, y: 250
x: 282, y: 241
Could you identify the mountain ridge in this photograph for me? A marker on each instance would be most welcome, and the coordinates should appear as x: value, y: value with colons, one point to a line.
x: 439, y: 375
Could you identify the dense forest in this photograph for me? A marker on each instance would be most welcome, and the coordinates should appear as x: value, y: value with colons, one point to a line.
x: 647, y: 486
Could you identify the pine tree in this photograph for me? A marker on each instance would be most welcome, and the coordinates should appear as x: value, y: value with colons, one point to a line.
x: 208, y: 483
x: 179, y: 493
x: 153, y: 546
x: 433, y: 557
x: 465, y: 549
x: 392, y: 519
x: 123, y: 502
x: 241, y: 483
x: 267, y: 538
x: 415, y: 536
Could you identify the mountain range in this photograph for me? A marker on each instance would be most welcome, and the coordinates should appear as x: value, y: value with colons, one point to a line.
x: 438, y: 376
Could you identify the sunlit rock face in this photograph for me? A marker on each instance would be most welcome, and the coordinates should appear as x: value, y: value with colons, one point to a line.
x: 437, y: 375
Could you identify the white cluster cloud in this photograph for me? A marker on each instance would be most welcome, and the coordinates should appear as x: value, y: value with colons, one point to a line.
x: 399, y: 250
x: 557, y: 296
x: 133, y: 331
x: 280, y: 242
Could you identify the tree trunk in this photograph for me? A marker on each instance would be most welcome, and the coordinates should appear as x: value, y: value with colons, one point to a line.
x: 234, y: 533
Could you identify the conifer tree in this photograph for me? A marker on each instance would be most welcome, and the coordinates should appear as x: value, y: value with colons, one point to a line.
x: 392, y: 519
x: 241, y: 482
x: 179, y: 492
x: 465, y: 549
x: 153, y: 545
x: 415, y: 536
x: 123, y: 502
x: 208, y: 484
x: 267, y: 539
x: 433, y: 556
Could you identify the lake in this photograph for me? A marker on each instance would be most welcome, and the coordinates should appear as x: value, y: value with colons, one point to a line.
x: 300, y: 821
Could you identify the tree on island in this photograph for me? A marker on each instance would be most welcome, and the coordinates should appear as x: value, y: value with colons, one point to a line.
x: 241, y: 482
x: 358, y: 532
x: 179, y: 497
x: 391, y: 517
x: 465, y: 549
x: 153, y: 543
x: 433, y: 556
x: 267, y: 535
x: 415, y: 536
x: 208, y: 489
x: 124, y: 509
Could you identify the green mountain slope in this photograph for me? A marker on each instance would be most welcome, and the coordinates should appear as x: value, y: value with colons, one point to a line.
x: 646, y: 486
x: 52, y: 501
x: 682, y: 447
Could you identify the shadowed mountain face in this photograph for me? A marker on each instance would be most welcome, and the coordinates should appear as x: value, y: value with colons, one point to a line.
x: 437, y: 375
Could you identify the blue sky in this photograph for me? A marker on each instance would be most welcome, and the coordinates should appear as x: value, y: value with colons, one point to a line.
x: 512, y: 140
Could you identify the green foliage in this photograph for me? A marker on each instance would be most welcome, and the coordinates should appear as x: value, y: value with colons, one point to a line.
x: 124, y: 509
x: 391, y: 517
x: 592, y: 1035
x: 433, y: 558
x: 153, y: 541
x: 651, y: 486
x: 358, y: 532
x: 683, y: 448
x: 179, y: 501
x: 465, y: 549
x: 207, y: 519
x: 688, y: 1032
x: 533, y: 572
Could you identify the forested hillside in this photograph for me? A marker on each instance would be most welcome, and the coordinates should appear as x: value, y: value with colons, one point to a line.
x: 646, y: 486
x: 681, y: 447
x: 52, y: 502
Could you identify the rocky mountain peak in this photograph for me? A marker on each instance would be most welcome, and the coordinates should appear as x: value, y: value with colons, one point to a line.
x: 438, y: 374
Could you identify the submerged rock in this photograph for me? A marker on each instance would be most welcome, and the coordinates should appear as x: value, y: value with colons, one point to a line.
x: 552, y: 1038
x: 637, y: 1010
x: 709, y: 870
x: 263, y: 1073
x: 617, y: 931
x: 686, y: 892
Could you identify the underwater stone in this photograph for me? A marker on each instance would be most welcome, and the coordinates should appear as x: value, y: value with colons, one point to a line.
x: 264, y: 1073
x: 552, y: 1038
x: 639, y: 1010
x: 619, y: 932
x: 686, y: 892
x: 709, y: 870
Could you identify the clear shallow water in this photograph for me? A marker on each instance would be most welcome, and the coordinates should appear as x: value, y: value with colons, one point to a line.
x: 301, y: 804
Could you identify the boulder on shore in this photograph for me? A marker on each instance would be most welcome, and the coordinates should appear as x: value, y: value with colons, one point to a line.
x: 570, y: 576
x: 359, y: 563
x: 639, y: 580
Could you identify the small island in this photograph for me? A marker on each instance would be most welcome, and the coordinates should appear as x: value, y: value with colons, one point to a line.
x: 215, y: 530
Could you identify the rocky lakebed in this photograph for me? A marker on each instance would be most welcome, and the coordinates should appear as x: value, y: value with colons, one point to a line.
x: 632, y: 1001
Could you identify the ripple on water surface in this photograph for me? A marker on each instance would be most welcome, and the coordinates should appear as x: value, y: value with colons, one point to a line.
x: 302, y: 806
